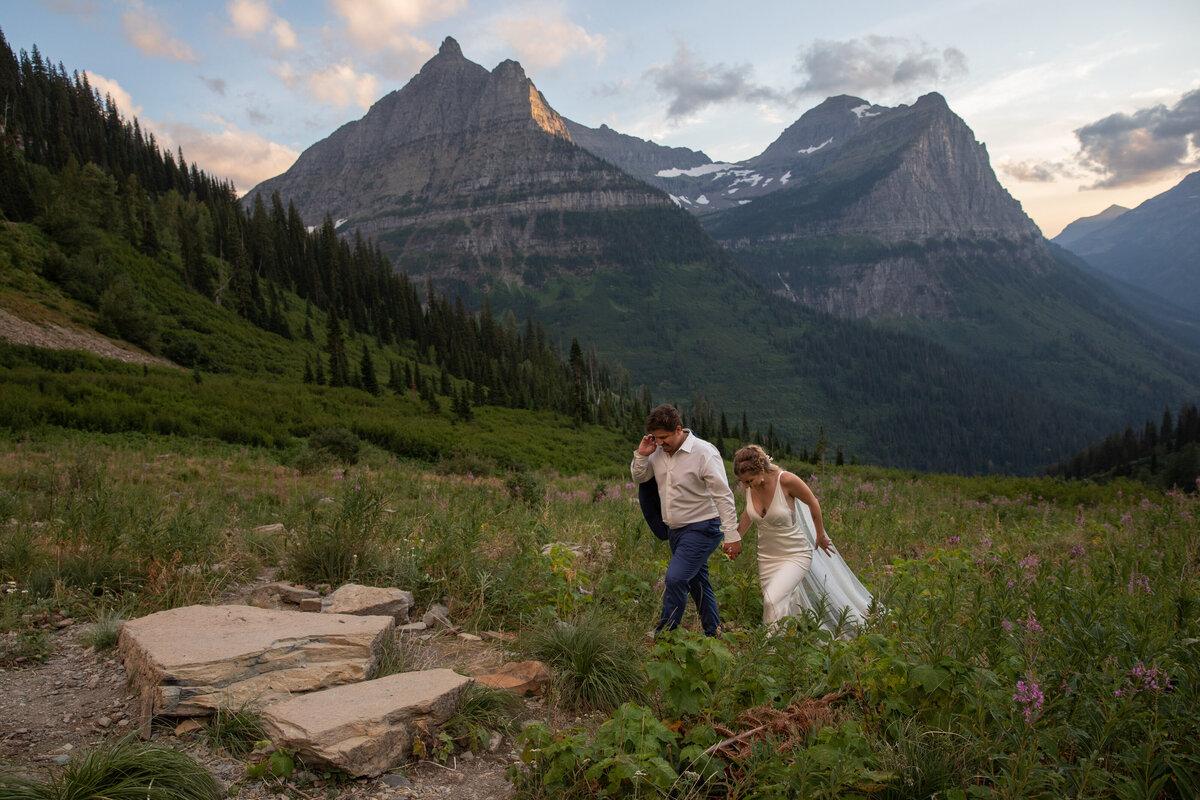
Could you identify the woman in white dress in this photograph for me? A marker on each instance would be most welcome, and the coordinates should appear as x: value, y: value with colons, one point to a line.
x: 798, y: 567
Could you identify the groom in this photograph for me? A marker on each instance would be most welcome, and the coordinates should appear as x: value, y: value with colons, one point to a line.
x: 697, y: 509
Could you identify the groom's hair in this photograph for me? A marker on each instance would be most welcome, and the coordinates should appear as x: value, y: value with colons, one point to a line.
x: 663, y: 418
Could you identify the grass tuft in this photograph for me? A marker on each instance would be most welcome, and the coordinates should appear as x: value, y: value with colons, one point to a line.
x: 595, y: 667
x: 126, y: 770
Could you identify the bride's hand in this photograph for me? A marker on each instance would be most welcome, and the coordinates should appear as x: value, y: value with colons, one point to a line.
x: 825, y: 543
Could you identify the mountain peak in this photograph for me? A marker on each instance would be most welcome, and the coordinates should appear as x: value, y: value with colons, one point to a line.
x: 450, y: 48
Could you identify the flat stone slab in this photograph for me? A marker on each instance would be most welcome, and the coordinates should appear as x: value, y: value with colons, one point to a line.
x: 519, y: 677
x: 369, y: 600
x: 365, y: 729
x: 192, y: 660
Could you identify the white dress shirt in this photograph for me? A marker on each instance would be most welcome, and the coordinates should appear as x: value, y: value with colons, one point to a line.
x: 692, y: 484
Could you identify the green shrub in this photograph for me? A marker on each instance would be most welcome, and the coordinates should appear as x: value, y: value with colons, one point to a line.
x: 338, y: 443
x: 595, y: 667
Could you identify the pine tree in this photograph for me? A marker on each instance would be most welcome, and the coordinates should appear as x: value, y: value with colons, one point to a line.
x: 370, y: 382
x: 335, y: 348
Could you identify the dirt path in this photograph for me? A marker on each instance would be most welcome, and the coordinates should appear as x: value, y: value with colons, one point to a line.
x: 77, y: 699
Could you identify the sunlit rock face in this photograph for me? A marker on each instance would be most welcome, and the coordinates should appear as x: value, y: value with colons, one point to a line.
x: 460, y: 163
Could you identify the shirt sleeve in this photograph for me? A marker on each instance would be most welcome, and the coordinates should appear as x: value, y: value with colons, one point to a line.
x: 640, y: 468
x: 718, y: 488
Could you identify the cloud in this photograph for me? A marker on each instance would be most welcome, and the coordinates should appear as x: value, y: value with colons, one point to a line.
x: 251, y: 18
x: 110, y: 88
x: 82, y: 8
x: 548, y: 39
x: 145, y: 32
x: 340, y: 85
x: 1147, y: 145
x: 693, y: 86
x: 875, y: 63
x: 376, y: 25
x: 243, y: 157
x: 215, y: 85
x: 1037, y: 171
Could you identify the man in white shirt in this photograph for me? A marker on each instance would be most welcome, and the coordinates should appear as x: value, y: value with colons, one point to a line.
x: 697, y: 508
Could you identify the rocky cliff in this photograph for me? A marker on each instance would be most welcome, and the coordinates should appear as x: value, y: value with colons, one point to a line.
x: 456, y: 167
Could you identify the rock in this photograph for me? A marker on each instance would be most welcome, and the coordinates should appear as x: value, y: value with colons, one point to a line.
x: 273, y: 528
x: 189, y: 661
x: 188, y: 726
x: 520, y: 677
x: 311, y: 604
x: 396, y: 781
x: 470, y: 637
x: 437, y: 616
x: 365, y: 729
x: 272, y: 595
x: 499, y: 636
x: 371, y: 600
x: 412, y: 627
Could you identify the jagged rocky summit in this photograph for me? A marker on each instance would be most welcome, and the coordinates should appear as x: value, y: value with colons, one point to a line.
x: 460, y: 161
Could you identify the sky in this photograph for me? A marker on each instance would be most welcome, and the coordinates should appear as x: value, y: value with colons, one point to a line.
x: 1081, y: 105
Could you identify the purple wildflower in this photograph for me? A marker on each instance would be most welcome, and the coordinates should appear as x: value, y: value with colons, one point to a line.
x: 1138, y: 581
x: 1029, y: 694
x: 1008, y: 626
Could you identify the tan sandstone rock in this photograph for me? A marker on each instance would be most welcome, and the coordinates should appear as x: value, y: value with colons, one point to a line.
x: 372, y: 600
x: 520, y: 677
x: 189, y: 661
x: 365, y: 729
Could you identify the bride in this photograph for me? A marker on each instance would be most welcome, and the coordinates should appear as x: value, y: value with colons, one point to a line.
x: 798, y: 567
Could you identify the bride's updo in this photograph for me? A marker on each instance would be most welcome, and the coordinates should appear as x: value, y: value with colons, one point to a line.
x: 751, y: 460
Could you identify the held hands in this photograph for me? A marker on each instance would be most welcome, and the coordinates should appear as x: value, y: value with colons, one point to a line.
x: 647, y: 445
x: 825, y: 543
x: 732, y: 549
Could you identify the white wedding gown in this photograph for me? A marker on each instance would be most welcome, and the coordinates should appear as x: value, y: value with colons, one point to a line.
x: 798, y: 577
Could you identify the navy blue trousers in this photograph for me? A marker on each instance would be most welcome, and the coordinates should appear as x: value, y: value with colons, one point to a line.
x: 687, y: 574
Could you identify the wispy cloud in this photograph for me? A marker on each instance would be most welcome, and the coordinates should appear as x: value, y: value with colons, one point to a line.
x: 692, y: 85
x: 107, y: 87
x: 546, y: 38
x: 1037, y: 171
x: 82, y: 8
x: 375, y: 25
x: 1143, y: 146
x: 243, y: 157
x: 875, y: 63
x: 149, y: 35
x: 339, y: 85
x: 215, y: 85
x: 251, y: 18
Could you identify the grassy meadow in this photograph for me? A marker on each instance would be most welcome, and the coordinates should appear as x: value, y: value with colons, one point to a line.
x: 1040, y: 637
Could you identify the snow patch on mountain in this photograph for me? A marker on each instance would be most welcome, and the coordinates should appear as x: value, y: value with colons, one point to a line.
x: 810, y: 150
x: 694, y: 172
x: 864, y: 111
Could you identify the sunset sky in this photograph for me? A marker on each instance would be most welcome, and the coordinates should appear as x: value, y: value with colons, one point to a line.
x: 1081, y: 104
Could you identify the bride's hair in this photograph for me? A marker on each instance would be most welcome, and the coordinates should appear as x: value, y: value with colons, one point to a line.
x: 751, y: 459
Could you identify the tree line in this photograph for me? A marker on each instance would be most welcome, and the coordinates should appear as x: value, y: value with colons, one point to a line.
x: 73, y: 166
x: 1166, y: 453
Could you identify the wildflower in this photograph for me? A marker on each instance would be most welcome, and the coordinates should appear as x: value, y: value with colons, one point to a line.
x: 1031, y: 624
x: 1144, y: 679
x: 1138, y: 581
x: 953, y: 540
x: 1077, y: 551
x: 1008, y: 626
x: 1029, y: 694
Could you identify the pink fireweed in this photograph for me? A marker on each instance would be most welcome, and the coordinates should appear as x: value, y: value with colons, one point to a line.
x: 1144, y: 679
x: 1029, y: 694
x: 1138, y: 581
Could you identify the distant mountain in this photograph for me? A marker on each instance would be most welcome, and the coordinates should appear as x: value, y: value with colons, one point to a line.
x: 449, y: 173
x: 470, y: 178
x: 1085, y: 226
x: 636, y: 156
x: 1155, y: 246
